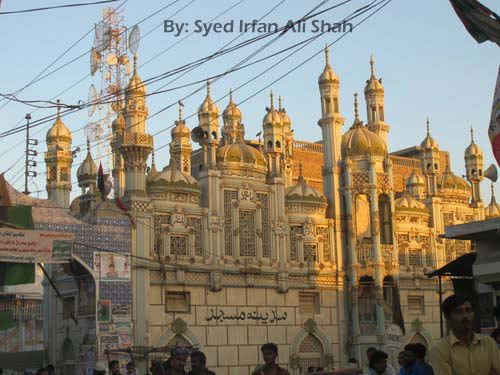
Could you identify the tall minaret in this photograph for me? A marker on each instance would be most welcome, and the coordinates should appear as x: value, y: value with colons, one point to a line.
x: 331, y: 128
x: 474, y: 169
x: 118, y: 172
x: 135, y: 145
x: 58, y: 160
x: 272, y: 124
x: 180, y: 147
x: 208, y: 119
x: 288, y: 144
x: 374, y: 97
x: 232, y: 121
x: 430, y: 160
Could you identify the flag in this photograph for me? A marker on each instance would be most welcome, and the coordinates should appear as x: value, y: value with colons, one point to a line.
x: 481, y: 23
x: 494, y: 129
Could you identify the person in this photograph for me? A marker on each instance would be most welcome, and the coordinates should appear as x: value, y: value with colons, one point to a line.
x: 495, y: 335
x: 369, y: 352
x: 421, y: 366
x: 199, y: 364
x: 177, y: 361
x: 114, y: 367
x: 463, y: 352
x: 401, y: 359
x: 378, y: 363
x: 270, y: 367
x: 130, y: 368
x: 111, y: 274
x: 50, y: 368
x: 409, y: 361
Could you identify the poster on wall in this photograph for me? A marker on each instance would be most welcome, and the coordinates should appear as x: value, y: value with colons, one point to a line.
x: 111, y: 266
x: 109, y: 342
x: 120, y: 312
x: 86, y: 296
x: 104, y: 310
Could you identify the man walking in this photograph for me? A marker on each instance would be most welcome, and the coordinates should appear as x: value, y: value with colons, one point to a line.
x: 463, y: 352
x: 270, y: 354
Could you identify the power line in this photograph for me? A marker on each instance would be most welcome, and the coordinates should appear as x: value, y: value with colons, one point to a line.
x: 58, y: 7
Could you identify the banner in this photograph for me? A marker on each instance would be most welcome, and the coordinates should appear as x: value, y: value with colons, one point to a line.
x: 111, y: 266
x: 34, y: 246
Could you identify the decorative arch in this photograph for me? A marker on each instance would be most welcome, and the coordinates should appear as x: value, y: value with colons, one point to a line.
x: 310, y: 335
x: 180, y: 329
x: 419, y: 334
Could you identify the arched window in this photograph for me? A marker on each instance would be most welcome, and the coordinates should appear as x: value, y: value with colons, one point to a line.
x: 310, y: 353
x: 214, y: 135
x: 367, y: 300
x: 385, y: 219
x: 269, y: 145
x: 278, y: 144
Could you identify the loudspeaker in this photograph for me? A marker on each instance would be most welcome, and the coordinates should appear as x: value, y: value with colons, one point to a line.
x: 198, y: 134
x: 491, y: 173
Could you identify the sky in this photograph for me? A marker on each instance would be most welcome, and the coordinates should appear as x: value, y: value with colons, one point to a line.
x: 431, y: 67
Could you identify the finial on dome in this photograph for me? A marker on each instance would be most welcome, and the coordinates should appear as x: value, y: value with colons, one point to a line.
x: 181, y: 106
x: 271, y: 98
x: 135, y: 63
x: 372, y: 65
x: 327, y: 55
x: 208, y: 87
x: 230, y: 95
x: 472, y: 134
x: 88, y: 144
x: 356, y: 111
x: 153, y: 157
x: 280, y: 106
x: 58, y: 107
x: 428, y: 126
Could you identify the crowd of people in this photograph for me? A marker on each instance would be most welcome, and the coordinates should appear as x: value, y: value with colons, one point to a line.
x: 460, y: 352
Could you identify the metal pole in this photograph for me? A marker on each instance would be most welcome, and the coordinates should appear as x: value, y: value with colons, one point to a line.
x: 440, y: 305
x: 26, y: 166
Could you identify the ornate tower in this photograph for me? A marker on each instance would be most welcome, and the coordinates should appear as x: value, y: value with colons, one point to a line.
x: 208, y: 118
x: 430, y: 161
x: 288, y: 144
x: 58, y: 159
x: 374, y: 97
x: 118, y: 127
x: 180, y: 147
x: 87, y: 179
x: 232, y: 121
x: 135, y: 145
x: 331, y: 129
x: 474, y: 169
x: 273, y: 139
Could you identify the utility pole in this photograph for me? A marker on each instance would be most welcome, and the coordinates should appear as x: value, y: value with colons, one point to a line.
x: 30, y: 154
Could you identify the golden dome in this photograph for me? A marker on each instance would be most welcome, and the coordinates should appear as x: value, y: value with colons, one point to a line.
x: 408, y: 203
x: 373, y: 84
x: 240, y: 152
x: 360, y: 141
x: 415, y: 179
x: 171, y: 175
x: 58, y: 131
x: 87, y: 171
x: 493, y: 209
x: 328, y: 74
x: 429, y: 142
x: 473, y: 150
x: 232, y: 112
x: 452, y: 181
x: 208, y: 105
x: 303, y: 191
x: 135, y: 85
x: 118, y: 123
x: 180, y: 130
x: 273, y: 117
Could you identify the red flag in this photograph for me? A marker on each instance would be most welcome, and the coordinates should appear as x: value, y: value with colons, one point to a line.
x: 494, y: 129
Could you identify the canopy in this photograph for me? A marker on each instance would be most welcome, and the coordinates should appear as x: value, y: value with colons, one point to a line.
x: 460, y: 267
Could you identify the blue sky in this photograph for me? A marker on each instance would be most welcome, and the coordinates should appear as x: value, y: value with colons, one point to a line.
x: 429, y: 64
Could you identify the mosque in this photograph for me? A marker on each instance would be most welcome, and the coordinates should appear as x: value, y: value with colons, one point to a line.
x: 320, y: 247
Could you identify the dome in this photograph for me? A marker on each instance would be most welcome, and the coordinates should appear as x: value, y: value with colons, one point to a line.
x: 303, y: 191
x: 180, y: 130
x: 208, y: 105
x: 493, y: 209
x: 415, y: 179
x: 170, y: 178
x: 240, y: 152
x: 118, y: 123
x: 273, y: 116
x: 360, y: 141
x: 452, y: 181
x: 429, y: 142
x: 408, y: 203
x: 373, y: 84
x: 87, y: 171
x: 135, y: 85
x: 58, y: 131
x: 232, y: 112
x: 473, y: 150
x: 328, y: 74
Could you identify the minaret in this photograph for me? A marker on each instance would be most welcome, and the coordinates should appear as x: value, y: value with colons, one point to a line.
x: 87, y: 181
x: 58, y: 160
x: 474, y: 169
x: 288, y: 144
x: 331, y: 128
x: 180, y: 147
x: 430, y: 160
x: 135, y: 145
x: 232, y: 121
x: 272, y: 124
x: 118, y: 172
x: 208, y: 119
x: 374, y: 97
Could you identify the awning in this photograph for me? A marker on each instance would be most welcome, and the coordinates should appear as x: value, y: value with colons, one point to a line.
x: 460, y: 267
x: 22, y: 360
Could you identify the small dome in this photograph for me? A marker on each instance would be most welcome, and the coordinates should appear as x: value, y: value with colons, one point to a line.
x: 180, y: 130
x: 473, y: 150
x: 240, y: 152
x: 328, y: 75
x: 58, y: 132
x: 415, y: 179
x: 373, y: 84
x: 452, y: 181
x: 493, y: 209
x: 231, y: 112
x: 361, y: 141
x: 171, y: 175
x: 303, y: 191
x: 408, y: 203
x: 87, y: 171
x: 208, y: 105
x: 273, y: 116
x: 118, y: 123
x: 135, y: 85
x: 429, y: 142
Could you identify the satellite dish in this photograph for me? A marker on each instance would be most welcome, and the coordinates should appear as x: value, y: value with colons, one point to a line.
x: 134, y: 39
x: 95, y: 60
x: 102, y: 36
x: 92, y: 100
x: 112, y: 59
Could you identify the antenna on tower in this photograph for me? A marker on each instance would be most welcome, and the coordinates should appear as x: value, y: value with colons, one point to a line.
x: 30, y: 155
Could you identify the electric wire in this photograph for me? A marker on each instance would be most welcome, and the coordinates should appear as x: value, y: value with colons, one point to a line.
x: 57, y: 7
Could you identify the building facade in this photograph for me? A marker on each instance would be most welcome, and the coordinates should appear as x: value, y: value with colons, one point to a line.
x: 319, y: 247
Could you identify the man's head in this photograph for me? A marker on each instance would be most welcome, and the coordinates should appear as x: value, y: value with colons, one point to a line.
x: 409, y: 355
x: 269, y: 353
x: 378, y: 361
x: 458, y: 312
x: 178, y: 357
x: 114, y: 367
x: 370, y: 351
x: 420, y: 350
x: 198, y: 360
